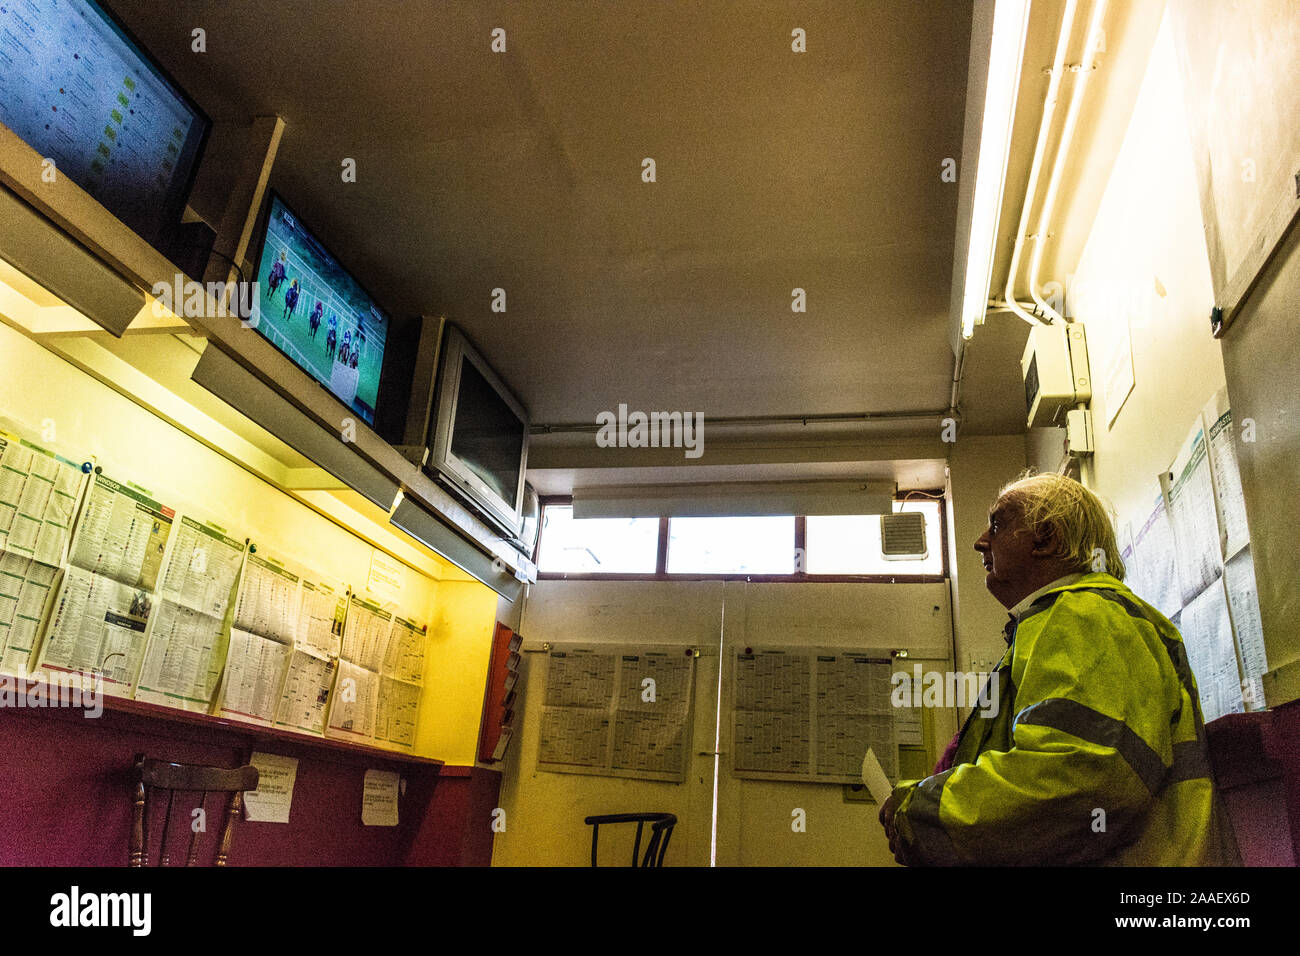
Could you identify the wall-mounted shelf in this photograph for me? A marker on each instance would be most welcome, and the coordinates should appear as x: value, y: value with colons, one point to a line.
x: 123, y: 713
x: 501, y: 695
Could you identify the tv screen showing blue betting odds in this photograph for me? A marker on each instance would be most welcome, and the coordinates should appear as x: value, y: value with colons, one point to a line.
x: 314, y: 312
x: 85, y: 97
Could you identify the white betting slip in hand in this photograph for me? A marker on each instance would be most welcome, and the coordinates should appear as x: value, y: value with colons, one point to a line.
x: 877, y: 783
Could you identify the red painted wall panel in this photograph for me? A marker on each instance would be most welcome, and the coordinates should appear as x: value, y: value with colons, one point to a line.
x: 457, y: 830
x: 65, y: 787
x: 1257, y: 768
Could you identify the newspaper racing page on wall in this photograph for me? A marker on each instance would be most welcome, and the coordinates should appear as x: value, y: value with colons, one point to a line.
x: 1243, y: 608
x: 308, y: 680
x: 853, y: 705
x: 324, y: 609
x: 365, y: 635
x: 313, y: 661
x: 261, y: 639
x: 1152, y: 568
x: 39, y: 493
x: 352, y: 709
x: 190, y: 629
x: 104, y: 604
x: 1238, y: 565
x: 772, y: 713
x: 1206, y: 542
x: 397, y: 711
x: 398, y: 707
x: 1190, y: 494
x: 353, y: 704
x: 811, y: 714
x: 622, y: 710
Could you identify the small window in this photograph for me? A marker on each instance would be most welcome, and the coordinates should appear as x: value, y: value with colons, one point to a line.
x: 851, y: 544
x: 731, y: 545
x: 597, y: 545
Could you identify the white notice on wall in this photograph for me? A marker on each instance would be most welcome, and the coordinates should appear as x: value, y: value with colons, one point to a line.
x: 271, y: 801
x: 379, y: 799
x: 386, y: 576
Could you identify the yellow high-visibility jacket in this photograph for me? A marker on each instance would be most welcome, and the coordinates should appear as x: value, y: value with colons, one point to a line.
x: 1096, y: 753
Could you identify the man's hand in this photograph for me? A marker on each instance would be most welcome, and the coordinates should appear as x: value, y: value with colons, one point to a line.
x: 887, y: 821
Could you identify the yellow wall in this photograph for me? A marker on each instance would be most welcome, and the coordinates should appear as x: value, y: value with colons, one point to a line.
x: 40, y: 389
x: 455, y: 675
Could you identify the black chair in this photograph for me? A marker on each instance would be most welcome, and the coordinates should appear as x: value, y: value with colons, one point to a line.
x: 661, y: 831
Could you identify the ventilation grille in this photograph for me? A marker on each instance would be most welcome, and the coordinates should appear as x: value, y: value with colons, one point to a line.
x: 902, y: 536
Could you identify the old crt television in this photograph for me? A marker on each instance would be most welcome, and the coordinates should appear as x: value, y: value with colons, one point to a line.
x: 83, y: 93
x: 313, y: 310
x: 478, y: 441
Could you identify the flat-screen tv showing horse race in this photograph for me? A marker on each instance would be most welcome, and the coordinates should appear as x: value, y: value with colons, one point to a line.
x: 307, y: 306
x: 82, y: 93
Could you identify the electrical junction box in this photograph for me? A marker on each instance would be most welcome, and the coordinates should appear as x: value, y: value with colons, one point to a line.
x: 1078, y: 432
x: 1055, y: 371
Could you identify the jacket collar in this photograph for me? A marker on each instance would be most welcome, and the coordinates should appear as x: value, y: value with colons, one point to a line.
x: 1019, y: 610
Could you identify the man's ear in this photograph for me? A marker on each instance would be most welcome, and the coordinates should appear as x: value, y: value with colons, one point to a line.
x: 1045, y: 543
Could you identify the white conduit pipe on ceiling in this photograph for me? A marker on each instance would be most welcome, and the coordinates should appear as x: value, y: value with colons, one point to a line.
x: 1044, y: 128
x: 1062, y: 153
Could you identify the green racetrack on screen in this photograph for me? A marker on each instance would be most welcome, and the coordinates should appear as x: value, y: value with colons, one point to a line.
x: 312, y: 310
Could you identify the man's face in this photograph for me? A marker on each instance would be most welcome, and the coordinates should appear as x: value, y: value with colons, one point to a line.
x: 1007, y: 547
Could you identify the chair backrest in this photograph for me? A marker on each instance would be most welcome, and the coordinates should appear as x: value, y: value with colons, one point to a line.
x: 172, y: 778
x: 661, y: 831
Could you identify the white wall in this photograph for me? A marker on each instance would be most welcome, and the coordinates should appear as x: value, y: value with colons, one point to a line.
x: 1145, y: 270
x: 545, y: 810
x: 979, y: 466
x: 755, y: 816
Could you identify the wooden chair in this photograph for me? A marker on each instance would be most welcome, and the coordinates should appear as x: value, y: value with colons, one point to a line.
x: 178, y: 777
x: 661, y: 831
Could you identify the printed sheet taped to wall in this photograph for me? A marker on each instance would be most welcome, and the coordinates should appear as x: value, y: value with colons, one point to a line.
x: 811, y: 714
x: 1192, y: 560
x: 39, y: 492
x: 103, y: 608
x: 618, y: 710
x: 189, y: 633
x: 286, y: 616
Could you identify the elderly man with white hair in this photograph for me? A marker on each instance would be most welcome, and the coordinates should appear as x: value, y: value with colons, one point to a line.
x: 1096, y: 754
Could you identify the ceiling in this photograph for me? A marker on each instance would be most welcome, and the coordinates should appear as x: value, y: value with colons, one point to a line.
x: 775, y: 170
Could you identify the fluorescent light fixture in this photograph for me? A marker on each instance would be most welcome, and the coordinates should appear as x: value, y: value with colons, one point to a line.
x: 36, y: 248
x: 421, y: 525
x: 245, y: 392
x: 1010, y: 22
